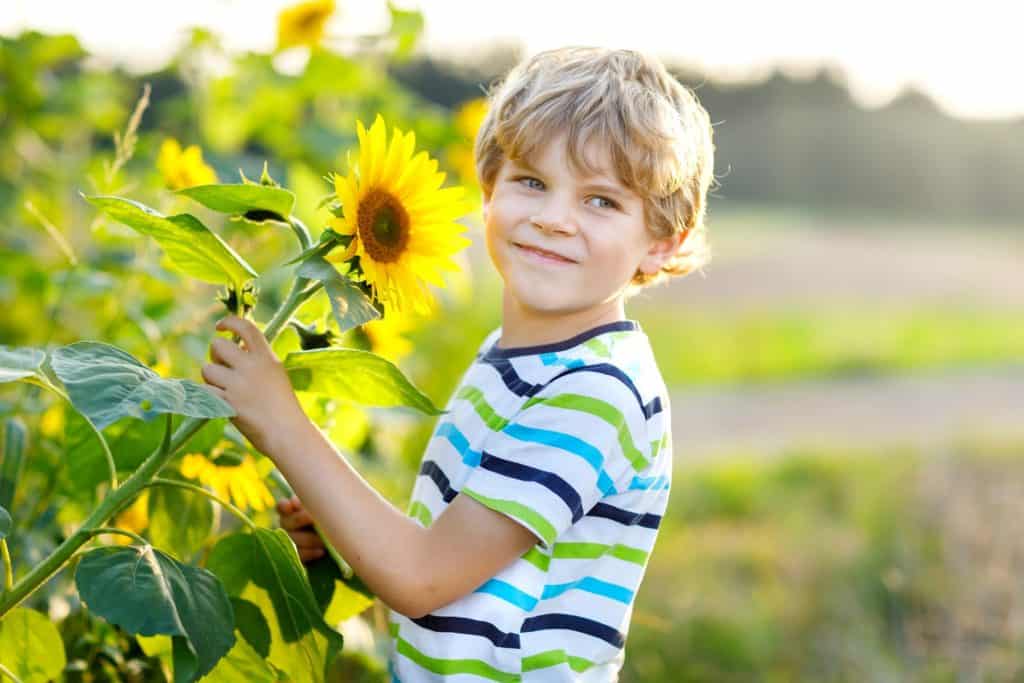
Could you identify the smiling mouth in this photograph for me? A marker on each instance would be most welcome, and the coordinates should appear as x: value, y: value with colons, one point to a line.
x: 541, y: 252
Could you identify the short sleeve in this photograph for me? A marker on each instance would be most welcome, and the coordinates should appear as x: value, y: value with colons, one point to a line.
x: 576, y: 441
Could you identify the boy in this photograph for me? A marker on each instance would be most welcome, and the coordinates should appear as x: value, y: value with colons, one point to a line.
x: 542, y: 489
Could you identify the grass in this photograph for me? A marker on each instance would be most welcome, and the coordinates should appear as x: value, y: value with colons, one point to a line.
x: 703, y: 347
x: 836, y: 566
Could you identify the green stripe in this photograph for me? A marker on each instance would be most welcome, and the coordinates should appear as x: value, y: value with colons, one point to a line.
x: 604, y: 410
x: 519, y: 511
x: 592, y: 551
x: 483, y: 408
x: 421, y: 512
x: 543, y: 660
x: 538, y: 559
x: 656, y: 446
x: 450, y: 667
x: 598, y: 347
x: 392, y: 628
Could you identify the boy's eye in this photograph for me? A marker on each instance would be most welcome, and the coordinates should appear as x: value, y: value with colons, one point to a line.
x: 530, y: 182
x: 603, y: 203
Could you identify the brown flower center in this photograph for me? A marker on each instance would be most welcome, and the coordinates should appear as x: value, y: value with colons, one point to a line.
x: 383, y: 226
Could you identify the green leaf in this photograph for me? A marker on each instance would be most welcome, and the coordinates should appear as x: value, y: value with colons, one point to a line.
x: 146, y: 592
x: 190, y: 245
x: 241, y: 199
x: 250, y: 622
x: 350, y: 306
x: 242, y: 663
x: 357, y: 376
x: 179, y: 520
x: 406, y: 28
x: 106, y: 383
x: 20, y: 363
x: 5, y: 523
x: 12, y: 459
x: 263, y: 568
x: 30, y: 646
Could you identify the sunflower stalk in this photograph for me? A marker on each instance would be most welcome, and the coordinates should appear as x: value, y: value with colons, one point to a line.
x: 122, y: 496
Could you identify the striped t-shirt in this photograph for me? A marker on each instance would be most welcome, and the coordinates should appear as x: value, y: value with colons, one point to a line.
x: 572, y: 441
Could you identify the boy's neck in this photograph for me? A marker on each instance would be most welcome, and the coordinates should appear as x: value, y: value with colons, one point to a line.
x: 523, y: 327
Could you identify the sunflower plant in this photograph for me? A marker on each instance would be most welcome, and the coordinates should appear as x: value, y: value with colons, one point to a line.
x: 252, y: 606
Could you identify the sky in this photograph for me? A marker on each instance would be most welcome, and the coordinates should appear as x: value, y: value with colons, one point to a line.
x: 966, y: 56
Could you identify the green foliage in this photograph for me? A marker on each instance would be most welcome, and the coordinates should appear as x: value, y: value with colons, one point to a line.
x: 144, y: 591
x: 179, y: 521
x: 105, y: 384
x: 191, y: 246
x: 263, y: 568
x: 245, y: 199
x: 358, y: 376
x: 12, y: 458
x: 349, y: 303
x: 30, y: 646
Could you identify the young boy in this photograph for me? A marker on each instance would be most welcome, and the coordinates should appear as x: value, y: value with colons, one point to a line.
x: 541, y: 492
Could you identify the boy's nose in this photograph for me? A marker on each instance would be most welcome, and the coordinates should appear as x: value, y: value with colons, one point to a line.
x: 555, y: 221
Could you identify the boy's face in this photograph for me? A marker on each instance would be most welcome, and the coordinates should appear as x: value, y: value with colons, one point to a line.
x: 594, y: 225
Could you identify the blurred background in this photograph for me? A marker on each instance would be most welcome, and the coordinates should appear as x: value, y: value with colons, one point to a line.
x: 846, y: 376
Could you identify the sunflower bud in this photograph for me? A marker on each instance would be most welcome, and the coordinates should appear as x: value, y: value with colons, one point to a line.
x: 265, y: 178
x: 309, y: 338
x: 239, y: 303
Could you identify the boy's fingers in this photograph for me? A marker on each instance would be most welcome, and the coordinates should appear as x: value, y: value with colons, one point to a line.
x: 249, y: 333
x: 306, y: 539
x: 309, y: 555
x: 296, y: 520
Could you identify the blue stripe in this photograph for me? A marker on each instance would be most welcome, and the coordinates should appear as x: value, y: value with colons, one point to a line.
x: 570, y: 622
x: 626, y: 517
x: 591, y: 585
x: 549, y: 480
x: 568, y: 443
x: 508, y: 593
x: 555, y: 359
x: 471, y: 627
x: 434, y: 471
x: 459, y: 441
x: 645, y: 483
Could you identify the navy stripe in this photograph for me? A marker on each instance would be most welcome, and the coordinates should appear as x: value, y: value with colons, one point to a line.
x: 471, y: 627
x: 514, y: 383
x: 626, y: 517
x: 554, y: 483
x: 434, y: 471
x: 618, y: 326
x: 570, y: 622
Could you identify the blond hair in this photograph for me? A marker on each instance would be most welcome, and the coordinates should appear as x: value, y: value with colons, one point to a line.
x: 657, y: 133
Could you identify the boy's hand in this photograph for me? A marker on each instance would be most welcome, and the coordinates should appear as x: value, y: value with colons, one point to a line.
x: 299, y: 524
x: 252, y: 379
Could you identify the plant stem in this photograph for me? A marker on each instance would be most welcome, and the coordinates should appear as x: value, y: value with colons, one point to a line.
x: 10, y: 674
x: 121, y: 497
x: 114, y: 530
x: 160, y: 481
x: 8, y: 570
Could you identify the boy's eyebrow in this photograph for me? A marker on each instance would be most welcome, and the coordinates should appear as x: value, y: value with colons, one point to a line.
x: 606, y: 187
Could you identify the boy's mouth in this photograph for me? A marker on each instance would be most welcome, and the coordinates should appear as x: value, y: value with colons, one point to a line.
x: 554, y: 256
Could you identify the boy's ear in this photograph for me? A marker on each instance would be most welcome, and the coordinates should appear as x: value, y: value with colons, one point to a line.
x: 661, y: 251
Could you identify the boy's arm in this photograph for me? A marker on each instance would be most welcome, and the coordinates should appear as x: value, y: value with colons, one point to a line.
x: 414, y: 570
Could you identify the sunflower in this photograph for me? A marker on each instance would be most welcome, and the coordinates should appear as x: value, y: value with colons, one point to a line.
x: 303, y: 24
x: 241, y: 484
x: 135, y: 518
x: 181, y: 169
x: 385, y: 336
x: 401, y: 221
